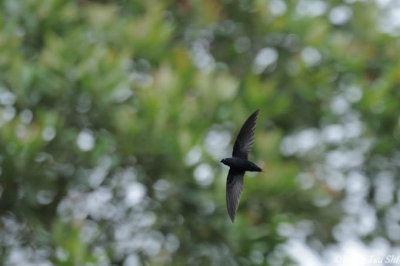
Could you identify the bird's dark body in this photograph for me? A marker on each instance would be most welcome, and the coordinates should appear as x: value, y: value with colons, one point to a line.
x: 241, y: 164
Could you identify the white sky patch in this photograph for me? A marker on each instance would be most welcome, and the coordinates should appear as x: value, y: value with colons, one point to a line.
x: 88, y: 232
x: 257, y: 257
x: 48, y: 133
x: 340, y: 15
x: 340, y: 159
x: 96, y: 201
x: 98, y: 174
x: 384, y: 188
x: 311, y: 56
x: 383, y: 3
x: 349, y: 252
x: 44, y: 197
x: 340, y: 105
x: 277, y: 7
x: 162, y: 188
x: 287, y: 146
x: 392, y: 221
x: 61, y: 254
x: 6, y: 97
x: 217, y: 142
x: 85, y: 140
x: 353, y: 129
x: 357, y: 183
x: 142, y: 80
x: 203, y: 174
x: 389, y: 22
x: 307, y: 139
x: 311, y: 8
x: 366, y: 220
x: 201, y: 56
x: 132, y: 260
x: 135, y: 193
x: 333, y: 133
x: 305, y: 180
x: 265, y: 57
x: 302, y: 254
x: 121, y: 94
x: 152, y: 243
x: 172, y: 243
x: 9, y: 113
x: 353, y: 93
x: 193, y: 156
x: 336, y: 180
x: 301, y: 142
x: 286, y: 229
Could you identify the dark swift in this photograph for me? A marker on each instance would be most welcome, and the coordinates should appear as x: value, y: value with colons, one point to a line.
x: 239, y: 164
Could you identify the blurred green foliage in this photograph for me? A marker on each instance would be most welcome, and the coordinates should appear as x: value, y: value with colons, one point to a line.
x: 115, y: 114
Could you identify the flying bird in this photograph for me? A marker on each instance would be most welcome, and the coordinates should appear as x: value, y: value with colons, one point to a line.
x: 239, y: 164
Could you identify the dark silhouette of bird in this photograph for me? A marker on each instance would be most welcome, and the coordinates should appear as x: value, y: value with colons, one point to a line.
x: 239, y: 164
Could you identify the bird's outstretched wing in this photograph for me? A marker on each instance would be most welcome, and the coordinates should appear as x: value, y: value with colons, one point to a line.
x: 245, y: 139
x: 234, y: 187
